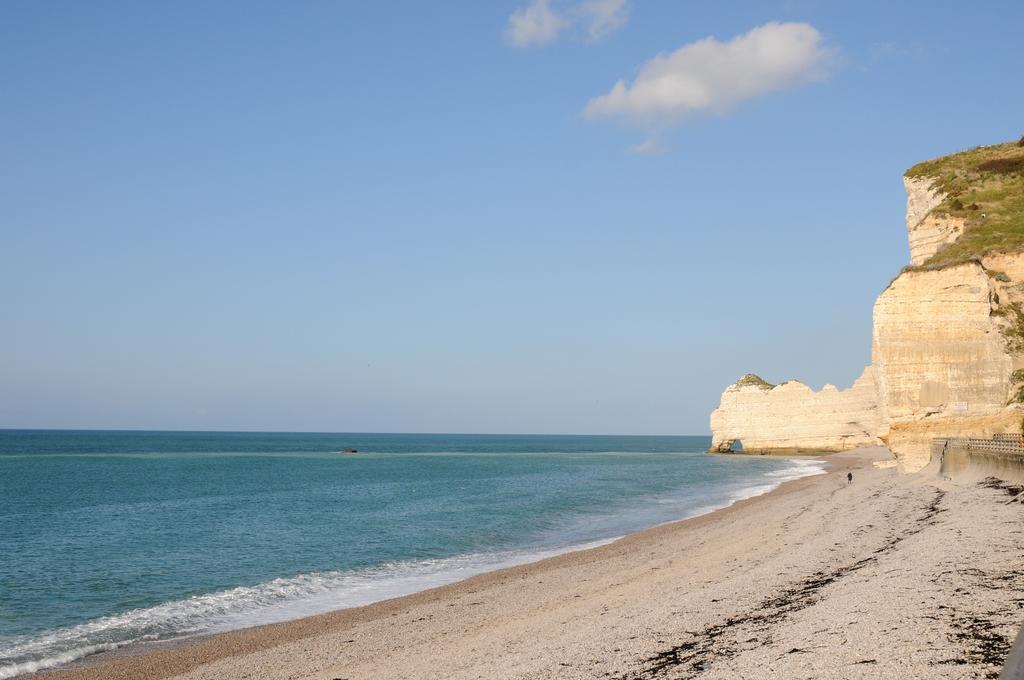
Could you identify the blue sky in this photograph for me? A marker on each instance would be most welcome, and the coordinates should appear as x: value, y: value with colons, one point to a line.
x: 342, y: 216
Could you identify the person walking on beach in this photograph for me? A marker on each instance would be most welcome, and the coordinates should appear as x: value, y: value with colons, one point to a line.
x: 849, y: 478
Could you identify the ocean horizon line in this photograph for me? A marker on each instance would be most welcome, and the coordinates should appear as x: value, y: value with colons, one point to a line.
x: 340, y: 432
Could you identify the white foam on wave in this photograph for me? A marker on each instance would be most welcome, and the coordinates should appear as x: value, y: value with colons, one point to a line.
x: 801, y: 467
x: 281, y: 599
x: 285, y: 599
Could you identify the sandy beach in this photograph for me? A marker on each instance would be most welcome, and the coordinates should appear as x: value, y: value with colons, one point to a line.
x: 892, y: 576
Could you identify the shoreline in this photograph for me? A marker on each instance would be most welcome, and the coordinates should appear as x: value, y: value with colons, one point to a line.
x: 84, y: 667
x: 540, y: 556
x: 804, y: 466
x: 815, y: 577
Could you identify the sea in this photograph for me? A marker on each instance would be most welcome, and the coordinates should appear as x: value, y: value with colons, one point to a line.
x: 112, y: 538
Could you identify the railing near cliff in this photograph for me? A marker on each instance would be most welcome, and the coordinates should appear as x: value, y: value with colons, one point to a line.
x: 1000, y: 443
x: 1009, y: 437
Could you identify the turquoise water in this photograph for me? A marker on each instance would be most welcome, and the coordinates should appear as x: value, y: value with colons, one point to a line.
x: 110, y: 538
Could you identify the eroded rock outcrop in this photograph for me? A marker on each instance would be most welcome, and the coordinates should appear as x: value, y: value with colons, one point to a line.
x: 792, y: 417
x: 927, y: 231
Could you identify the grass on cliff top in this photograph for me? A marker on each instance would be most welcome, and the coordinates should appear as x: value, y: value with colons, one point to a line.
x: 751, y: 379
x: 989, y: 181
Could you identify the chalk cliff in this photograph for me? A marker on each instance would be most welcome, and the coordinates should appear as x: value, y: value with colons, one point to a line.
x: 793, y: 417
x: 927, y: 231
x: 941, y: 358
x: 948, y: 332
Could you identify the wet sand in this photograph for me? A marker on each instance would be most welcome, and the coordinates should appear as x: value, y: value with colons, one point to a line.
x: 893, y: 576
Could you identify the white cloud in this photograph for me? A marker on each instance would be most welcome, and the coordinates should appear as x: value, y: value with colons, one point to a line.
x: 709, y: 76
x: 536, y: 24
x: 540, y: 24
x: 602, y: 17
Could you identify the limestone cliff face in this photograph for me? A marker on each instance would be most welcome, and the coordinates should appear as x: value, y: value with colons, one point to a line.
x: 936, y: 346
x: 927, y: 232
x: 792, y: 417
x: 941, y: 362
x: 922, y: 198
x: 941, y: 359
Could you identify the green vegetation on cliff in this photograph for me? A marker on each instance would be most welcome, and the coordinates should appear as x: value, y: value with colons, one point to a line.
x: 755, y: 380
x: 985, y: 187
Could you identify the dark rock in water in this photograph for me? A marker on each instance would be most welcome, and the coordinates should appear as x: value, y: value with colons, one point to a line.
x: 350, y: 450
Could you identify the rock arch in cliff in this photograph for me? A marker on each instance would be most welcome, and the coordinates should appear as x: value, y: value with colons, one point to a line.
x: 792, y: 417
